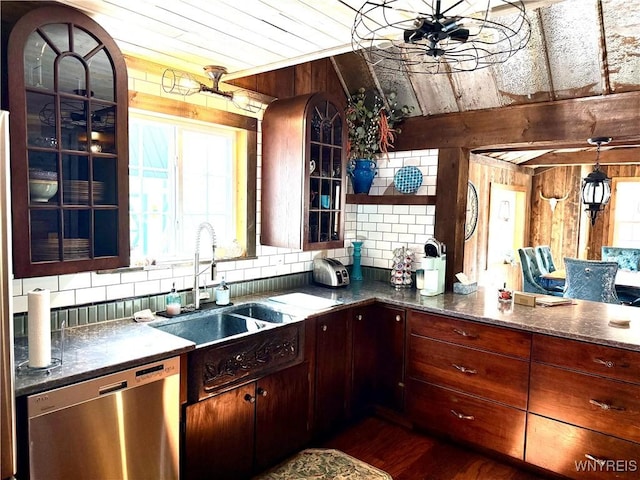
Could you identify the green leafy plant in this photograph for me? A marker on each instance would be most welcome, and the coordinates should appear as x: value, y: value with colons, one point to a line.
x: 372, y: 127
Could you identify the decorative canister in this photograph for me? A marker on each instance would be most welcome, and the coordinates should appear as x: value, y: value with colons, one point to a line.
x: 362, y: 171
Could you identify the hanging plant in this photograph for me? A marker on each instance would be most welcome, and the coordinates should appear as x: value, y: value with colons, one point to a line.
x: 372, y: 128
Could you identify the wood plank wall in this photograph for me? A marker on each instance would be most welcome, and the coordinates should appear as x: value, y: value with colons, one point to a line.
x: 559, y: 229
x: 483, y: 171
x: 310, y: 77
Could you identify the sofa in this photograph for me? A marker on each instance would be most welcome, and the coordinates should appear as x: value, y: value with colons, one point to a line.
x: 627, y: 258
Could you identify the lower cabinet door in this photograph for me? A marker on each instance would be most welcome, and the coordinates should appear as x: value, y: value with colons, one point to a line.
x: 580, y: 453
x: 282, y: 414
x: 468, y: 418
x: 332, y: 372
x: 219, y: 436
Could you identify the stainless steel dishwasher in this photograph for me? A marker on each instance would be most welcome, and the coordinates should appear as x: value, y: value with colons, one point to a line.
x: 119, y: 426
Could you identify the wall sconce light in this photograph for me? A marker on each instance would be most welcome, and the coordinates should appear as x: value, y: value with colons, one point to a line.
x: 596, y: 187
x: 183, y: 83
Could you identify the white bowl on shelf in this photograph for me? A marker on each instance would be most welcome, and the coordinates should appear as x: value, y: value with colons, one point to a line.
x: 42, y: 190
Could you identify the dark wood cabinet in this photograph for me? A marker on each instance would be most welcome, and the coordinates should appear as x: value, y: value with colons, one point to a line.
x: 304, y: 142
x: 579, y: 453
x: 219, y: 435
x: 69, y: 144
x: 378, y: 333
x: 332, y: 371
x: 468, y: 380
x: 282, y: 414
x: 248, y: 428
x: 584, y: 404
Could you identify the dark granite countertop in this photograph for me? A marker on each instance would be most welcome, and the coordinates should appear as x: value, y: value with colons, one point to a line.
x: 103, y: 348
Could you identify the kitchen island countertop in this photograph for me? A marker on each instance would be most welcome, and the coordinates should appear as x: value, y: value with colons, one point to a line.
x: 106, y: 347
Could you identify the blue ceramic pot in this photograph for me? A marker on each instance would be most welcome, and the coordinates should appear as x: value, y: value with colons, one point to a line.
x: 362, y: 171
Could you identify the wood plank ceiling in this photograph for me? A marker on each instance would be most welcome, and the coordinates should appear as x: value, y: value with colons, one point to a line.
x: 578, y: 48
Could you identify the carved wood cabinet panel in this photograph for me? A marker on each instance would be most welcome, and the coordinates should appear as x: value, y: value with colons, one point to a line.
x: 250, y: 357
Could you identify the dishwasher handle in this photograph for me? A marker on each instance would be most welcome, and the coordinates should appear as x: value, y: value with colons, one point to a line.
x: 114, y: 387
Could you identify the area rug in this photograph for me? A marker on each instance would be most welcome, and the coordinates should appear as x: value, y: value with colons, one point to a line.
x: 323, y: 464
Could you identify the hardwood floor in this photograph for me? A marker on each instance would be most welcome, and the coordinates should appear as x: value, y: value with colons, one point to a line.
x: 408, y: 455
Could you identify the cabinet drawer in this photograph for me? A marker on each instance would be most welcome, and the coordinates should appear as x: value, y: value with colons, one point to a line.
x: 597, y: 403
x: 586, y: 357
x: 499, y: 378
x: 467, y: 418
x: 579, y: 453
x: 471, y: 334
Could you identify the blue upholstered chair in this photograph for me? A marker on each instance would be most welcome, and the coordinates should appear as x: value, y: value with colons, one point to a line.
x: 531, y: 273
x: 545, y: 259
x: 626, y: 258
x: 591, y: 280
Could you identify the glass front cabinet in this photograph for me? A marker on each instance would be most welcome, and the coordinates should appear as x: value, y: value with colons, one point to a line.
x: 69, y: 146
x: 303, y: 173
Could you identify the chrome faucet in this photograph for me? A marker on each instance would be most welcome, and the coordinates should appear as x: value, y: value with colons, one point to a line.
x: 196, y: 262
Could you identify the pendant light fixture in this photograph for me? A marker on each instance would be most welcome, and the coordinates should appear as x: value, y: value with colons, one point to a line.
x: 596, y: 187
x: 439, y: 36
x: 183, y: 83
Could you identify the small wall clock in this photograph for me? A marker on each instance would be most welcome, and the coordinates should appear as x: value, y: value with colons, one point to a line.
x: 471, y: 220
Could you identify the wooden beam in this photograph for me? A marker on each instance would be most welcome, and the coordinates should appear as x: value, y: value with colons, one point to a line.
x: 607, y: 157
x: 554, y: 124
x: 451, y: 207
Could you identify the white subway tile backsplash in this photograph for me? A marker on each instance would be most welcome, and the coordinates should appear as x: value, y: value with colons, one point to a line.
x: 125, y: 290
x: 384, y: 227
x: 49, y: 283
x: 399, y: 228
x: 135, y: 276
x: 149, y: 287
x: 94, y: 294
x: 65, y: 298
x: 74, y: 281
x: 102, y: 279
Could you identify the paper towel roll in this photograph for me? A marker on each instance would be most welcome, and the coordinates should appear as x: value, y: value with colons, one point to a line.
x: 39, y: 328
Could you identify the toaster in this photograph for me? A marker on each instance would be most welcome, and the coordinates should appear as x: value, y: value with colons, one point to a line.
x: 330, y: 272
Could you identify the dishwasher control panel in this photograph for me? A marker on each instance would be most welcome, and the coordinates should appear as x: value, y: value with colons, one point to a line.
x: 63, y: 397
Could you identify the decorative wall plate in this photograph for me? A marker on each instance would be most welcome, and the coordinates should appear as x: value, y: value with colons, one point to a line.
x: 471, y: 220
x: 408, y: 179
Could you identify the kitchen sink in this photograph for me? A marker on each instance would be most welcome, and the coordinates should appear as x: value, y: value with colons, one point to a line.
x: 262, y: 312
x: 207, y: 327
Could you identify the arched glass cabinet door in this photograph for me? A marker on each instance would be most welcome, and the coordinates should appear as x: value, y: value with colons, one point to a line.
x: 326, y: 173
x: 69, y: 155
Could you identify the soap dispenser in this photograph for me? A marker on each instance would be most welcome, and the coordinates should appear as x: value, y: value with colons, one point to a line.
x: 222, y: 293
x: 173, y: 302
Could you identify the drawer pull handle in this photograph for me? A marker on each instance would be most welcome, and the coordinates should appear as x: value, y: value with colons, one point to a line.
x: 324, y: 328
x: 610, y: 363
x: 262, y: 392
x: 600, y: 461
x: 605, y: 406
x: 462, y: 416
x: 398, y: 318
x: 462, y: 333
x: 359, y: 317
x: 463, y: 369
x: 606, y: 363
x: 250, y: 398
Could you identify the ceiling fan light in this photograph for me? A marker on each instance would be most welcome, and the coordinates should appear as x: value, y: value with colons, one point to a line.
x: 427, y: 35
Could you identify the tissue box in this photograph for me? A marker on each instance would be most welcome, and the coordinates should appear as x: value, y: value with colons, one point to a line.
x: 465, y: 288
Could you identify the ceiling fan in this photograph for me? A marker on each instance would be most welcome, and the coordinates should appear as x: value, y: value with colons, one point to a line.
x: 441, y: 36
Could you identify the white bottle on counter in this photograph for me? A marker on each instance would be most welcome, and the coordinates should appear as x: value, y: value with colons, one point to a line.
x: 222, y: 293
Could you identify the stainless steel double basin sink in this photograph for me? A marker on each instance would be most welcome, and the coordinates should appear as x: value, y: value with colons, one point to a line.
x: 207, y: 326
